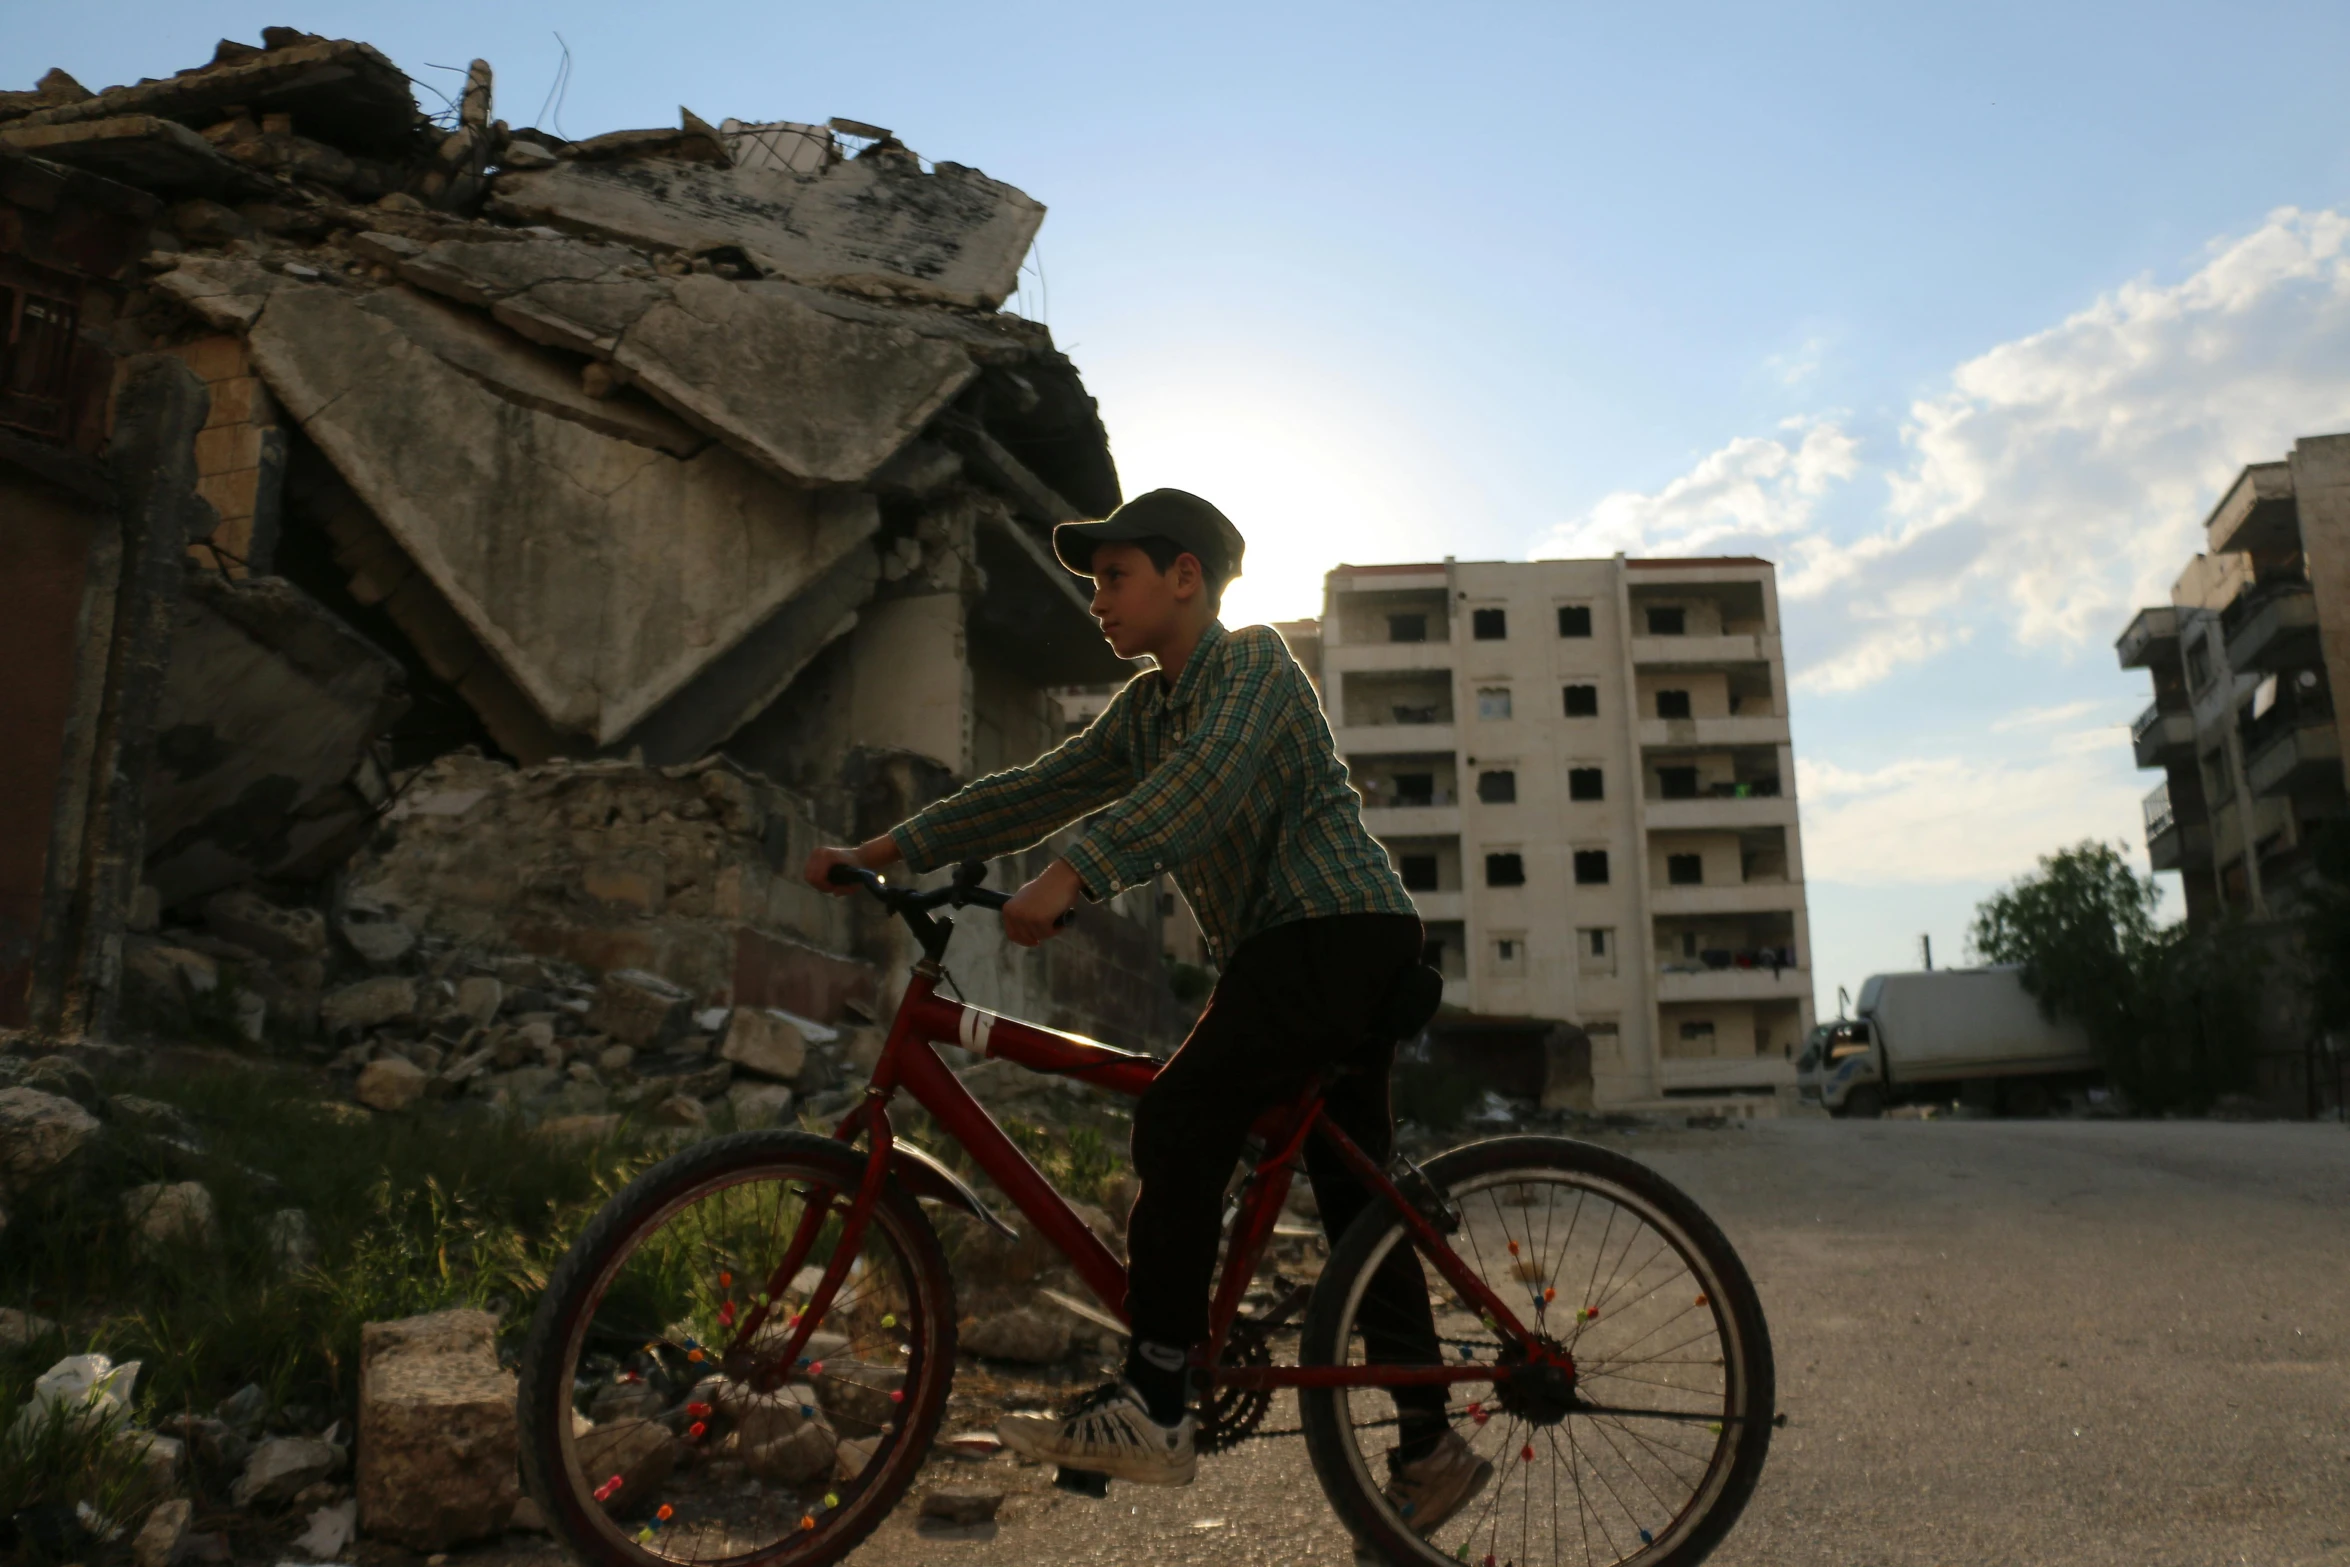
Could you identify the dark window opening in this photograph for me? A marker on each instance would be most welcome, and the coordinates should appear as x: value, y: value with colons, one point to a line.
x: 1599, y: 943
x: 1432, y: 952
x: 1672, y: 704
x: 1489, y: 625
x: 1668, y: 622
x: 1582, y: 701
x: 1505, y: 949
x: 1685, y: 870
x: 1574, y: 620
x: 1407, y: 628
x: 1498, y: 788
x: 1677, y: 783
x: 1505, y: 870
x: 1583, y: 783
x: 36, y: 362
x: 1591, y: 867
x: 1415, y: 788
x: 1418, y: 872
x: 1697, y: 1033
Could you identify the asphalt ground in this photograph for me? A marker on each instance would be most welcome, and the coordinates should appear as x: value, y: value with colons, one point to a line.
x: 2027, y: 1342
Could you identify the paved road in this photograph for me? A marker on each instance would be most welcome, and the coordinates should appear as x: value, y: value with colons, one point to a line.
x: 2041, y: 1343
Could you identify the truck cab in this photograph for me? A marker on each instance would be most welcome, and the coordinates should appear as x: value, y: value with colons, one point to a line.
x: 1838, y: 1058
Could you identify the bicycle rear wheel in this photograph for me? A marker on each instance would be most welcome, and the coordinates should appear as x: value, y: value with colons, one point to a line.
x: 1642, y: 1449
x: 651, y: 1437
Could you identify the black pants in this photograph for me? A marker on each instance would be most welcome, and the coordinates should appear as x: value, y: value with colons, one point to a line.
x: 1295, y: 1001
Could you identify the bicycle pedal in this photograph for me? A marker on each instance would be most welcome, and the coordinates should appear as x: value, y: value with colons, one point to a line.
x: 1083, y: 1482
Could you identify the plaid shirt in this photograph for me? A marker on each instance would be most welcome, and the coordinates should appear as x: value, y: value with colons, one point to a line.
x: 1229, y: 781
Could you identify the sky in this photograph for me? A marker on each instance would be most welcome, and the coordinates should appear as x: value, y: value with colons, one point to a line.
x: 1964, y: 316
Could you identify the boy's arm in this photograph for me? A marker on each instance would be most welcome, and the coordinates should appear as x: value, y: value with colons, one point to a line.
x: 1177, y: 811
x: 1019, y: 806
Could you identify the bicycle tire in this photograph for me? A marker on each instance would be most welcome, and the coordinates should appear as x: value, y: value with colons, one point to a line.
x: 544, y: 1386
x: 1748, y: 1374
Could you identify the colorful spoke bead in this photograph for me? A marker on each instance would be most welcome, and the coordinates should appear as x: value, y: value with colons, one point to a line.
x: 1646, y: 1538
x: 726, y: 1281
x: 817, y: 1368
x: 1526, y: 1453
x: 897, y: 1395
x: 1548, y: 1295
x: 644, y: 1536
x: 696, y: 1430
x: 1702, y: 1301
x: 807, y: 1520
x: 1590, y: 1313
x: 1513, y: 1248
x: 832, y: 1498
x: 665, y: 1512
x: 694, y: 1355
x: 698, y: 1411
x: 726, y: 1315
x: 889, y: 1319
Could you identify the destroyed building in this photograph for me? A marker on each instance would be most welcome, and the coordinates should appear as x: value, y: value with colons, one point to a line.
x: 534, y: 544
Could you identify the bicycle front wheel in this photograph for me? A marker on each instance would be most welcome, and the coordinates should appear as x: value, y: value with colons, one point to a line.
x: 1640, y: 1437
x: 654, y: 1433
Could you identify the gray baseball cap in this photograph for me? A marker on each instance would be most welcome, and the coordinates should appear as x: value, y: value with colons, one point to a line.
x: 1168, y: 514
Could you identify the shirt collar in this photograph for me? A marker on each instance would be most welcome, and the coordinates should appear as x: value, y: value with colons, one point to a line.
x: 1187, y: 683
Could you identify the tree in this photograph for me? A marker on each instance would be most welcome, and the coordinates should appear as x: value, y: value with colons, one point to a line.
x: 2172, y: 1013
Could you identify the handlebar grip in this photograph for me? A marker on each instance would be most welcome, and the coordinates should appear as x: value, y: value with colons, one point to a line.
x: 843, y: 876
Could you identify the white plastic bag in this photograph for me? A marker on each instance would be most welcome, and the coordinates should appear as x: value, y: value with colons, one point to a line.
x: 92, y: 1386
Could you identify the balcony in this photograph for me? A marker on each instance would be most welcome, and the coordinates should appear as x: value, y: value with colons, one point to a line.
x: 1389, y: 738
x: 2172, y: 844
x: 1668, y: 652
x: 1412, y: 821
x: 1727, y: 811
x: 2271, y: 623
x: 2300, y: 755
x: 1438, y: 907
x: 2271, y: 816
x: 2159, y: 738
x: 1430, y: 657
x: 1732, y: 984
x: 2152, y: 637
x: 1745, y: 897
x: 1685, y: 732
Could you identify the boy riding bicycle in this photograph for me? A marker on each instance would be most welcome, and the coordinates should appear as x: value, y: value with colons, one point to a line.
x: 1215, y: 767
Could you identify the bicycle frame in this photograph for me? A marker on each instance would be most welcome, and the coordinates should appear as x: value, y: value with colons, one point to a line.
x: 909, y: 1063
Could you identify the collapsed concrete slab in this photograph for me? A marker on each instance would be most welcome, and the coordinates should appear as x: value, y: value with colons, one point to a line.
x: 600, y: 574
x: 261, y: 742
x: 815, y: 388
x: 871, y: 224
x: 155, y: 154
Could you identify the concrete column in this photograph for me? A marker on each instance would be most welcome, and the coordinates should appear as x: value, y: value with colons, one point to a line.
x: 2321, y: 494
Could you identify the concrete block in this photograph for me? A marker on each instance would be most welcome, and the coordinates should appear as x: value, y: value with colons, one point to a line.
x: 437, y: 1439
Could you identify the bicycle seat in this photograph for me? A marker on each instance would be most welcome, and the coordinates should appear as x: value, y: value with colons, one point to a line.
x: 1410, y: 1002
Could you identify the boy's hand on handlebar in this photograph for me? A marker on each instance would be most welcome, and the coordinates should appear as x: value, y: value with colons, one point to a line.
x: 875, y: 854
x: 1031, y: 915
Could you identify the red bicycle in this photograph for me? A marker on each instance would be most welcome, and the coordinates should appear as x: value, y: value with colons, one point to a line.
x: 746, y: 1355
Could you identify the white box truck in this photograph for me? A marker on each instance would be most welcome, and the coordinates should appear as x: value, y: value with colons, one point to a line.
x: 1926, y: 1036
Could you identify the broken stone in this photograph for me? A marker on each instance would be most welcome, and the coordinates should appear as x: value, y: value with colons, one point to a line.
x: 614, y: 1061
x: 39, y: 1132
x: 437, y: 1437
x: 479, y: 998
x: 768, y: 1042
x: 677, y: 1110
x: 21, y: 1329
x: 159, y: 1456
x: 853, y: 1455
x: 853, y: 1392
x: 159, y: 1538
x: 640, y: 1009
x: 166, y: 1214
x: 953, y: 236
x: 137, y: 149
x: 527, y: 1518
x: 759, y: 1104
x: 281, y: 1467
x: 390, y: 1084
x: 252, y: 921
x: 640, y: 1454
x: 344, y: 91
x: 963, y: 1505
x: 370, y: 929
x: 580, y: 1128
x: 795, y: 1458
x: 624, y: 1401
x: 369, y: 1004
x: 331, y: 1530
x: 291, y: 1238
x: 1029, y: 1335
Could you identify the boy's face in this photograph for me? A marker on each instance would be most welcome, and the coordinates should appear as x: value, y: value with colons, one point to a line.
x: 1141, y: 608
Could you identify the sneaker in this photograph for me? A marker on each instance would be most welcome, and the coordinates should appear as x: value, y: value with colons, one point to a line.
x: 1110, y: 1432
x: 1429, y: 1490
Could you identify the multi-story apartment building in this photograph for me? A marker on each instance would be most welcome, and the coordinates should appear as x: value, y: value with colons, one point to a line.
x: 2245, y: 659
x: 1583, y: 772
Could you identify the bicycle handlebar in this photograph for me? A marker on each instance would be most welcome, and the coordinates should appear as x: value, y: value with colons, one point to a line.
x: 963, y: 892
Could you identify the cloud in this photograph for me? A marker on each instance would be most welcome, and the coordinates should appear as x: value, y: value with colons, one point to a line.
x: 2044, y: 717
x: 2054, y: 482
x: 1959, y: 819
x: 1757, y: 488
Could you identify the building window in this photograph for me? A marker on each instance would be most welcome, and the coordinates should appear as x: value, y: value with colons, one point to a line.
x: 1685, y: 870
x: 1698, y: 1033
x: 1591, y: 867
x: 1432, y: 952
x: 1505, y: 870
x: 1596, y: 950
x: 1415, y: 788
x: 1672, y: 704
x: 1677, y: 783
x: 1407, y: 628
x: 1583, y: 783
x: 1509, y: 954
x: 1489, y: 625
x: 1582, y: 701
x: 1493, y: 702
x: 1498, y: 788
x: 2219, y: 783
x: 1672, y: 622
x: 2199, y: 663
x: 37, y: 339
x: 1689, y: 944
x: 1574, y: 620
x: 1418, y: 872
